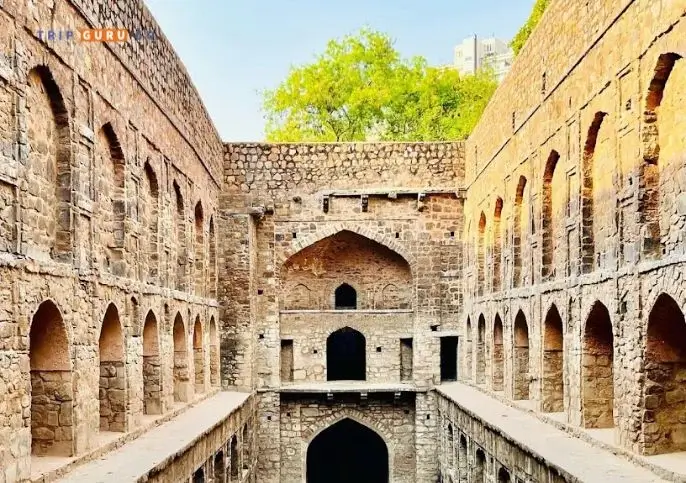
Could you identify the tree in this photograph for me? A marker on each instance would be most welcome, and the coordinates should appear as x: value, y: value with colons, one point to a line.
x: 523, y: 35
x: 360, y: 88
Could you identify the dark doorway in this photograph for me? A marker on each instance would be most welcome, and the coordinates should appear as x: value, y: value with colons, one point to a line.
x: 346, y: 298
x: 448, y: 359
x: 345, y: 356
x: 347, y: 451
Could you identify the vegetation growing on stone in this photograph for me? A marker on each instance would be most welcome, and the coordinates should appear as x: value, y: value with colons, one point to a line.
x: 525, y: 31
x: 361, y: 88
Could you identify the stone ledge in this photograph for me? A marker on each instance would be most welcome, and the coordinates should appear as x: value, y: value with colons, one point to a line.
x: 125, y: 438
x: 575, y: 458
x: 161, y: 445
x: 330, y: 387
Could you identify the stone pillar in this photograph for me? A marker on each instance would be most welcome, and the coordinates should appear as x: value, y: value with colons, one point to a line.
x: 426, y: 437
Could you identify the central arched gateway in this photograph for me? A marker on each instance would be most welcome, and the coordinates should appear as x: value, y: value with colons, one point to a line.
x: 347, y: 451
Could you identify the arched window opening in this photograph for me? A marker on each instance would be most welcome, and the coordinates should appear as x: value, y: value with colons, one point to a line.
x: 219, y: 467
x: 182, y: 387
x: 112, y: 391
x: 346, y: 297
x: 347, y: 451
x: 233, y: 458
x: 665, y: 364
x: 498, y: 355
x: 52, y: 431
x: 152, y: 367
x: 597, y: 369
x: 553, y: 363
x: 346, y: 355
x: 504, y: 476
x: 199, y: 476
x: 521, y: 357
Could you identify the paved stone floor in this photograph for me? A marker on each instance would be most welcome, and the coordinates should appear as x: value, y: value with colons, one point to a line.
x: 135, y: 459
x: 579, y: 458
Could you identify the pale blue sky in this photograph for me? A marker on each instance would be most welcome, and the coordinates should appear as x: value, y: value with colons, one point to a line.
x: 233, y: 49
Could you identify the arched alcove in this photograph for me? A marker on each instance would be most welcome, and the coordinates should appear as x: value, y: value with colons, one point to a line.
x: 519, y: 230
x: 498, y: 355
x: 182, y: 387
x: 521, y: 357
x: 664, y: 428
x: 112, y: 393
x: 468, y: 349
x: 199, y: 249
x: 198, y: 356
x: 179, y: 220
x: 151, y: 215
x: 549, y: 217
x: 479, y: 469
x: 497, y: 246
x: 481, y: 350
x: 52, y: 393
x: 345, y: 270
x: 597, y: 380
x: 552, y: 399
x: 214, y: 353
x: 233, y: 458
x: 213, y: 261
x: 346, y: 355
x: 347, y: 451
x: 152, y: 366
x: 481, y: 255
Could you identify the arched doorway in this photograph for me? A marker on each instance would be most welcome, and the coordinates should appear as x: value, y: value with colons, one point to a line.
x: 347, y: 451
x: 345, y: 356
x: 597, y: 380
x: 112, y: 392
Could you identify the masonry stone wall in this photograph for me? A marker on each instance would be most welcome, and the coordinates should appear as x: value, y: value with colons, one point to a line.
x: 105, y: 178
x: 574, y: 179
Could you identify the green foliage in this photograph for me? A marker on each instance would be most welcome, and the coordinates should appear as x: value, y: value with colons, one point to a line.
x: 360, y: 89
x: 523, y: 35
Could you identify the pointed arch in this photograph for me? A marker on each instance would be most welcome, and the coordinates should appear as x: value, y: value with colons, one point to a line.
x: 50, y: 160
x: 152, y: 366
x: 548, y: 218
x: 497, y: 246
x: 518, y: 233
x: 182, y: 387
x: 350, y: 450
x: 498, y: 355
x: 151, y: 221
x: 587, y: 195
x: 664, y: 430
x: 199, y: 356
x: 481, y: 350
x: 521, y: 357
x: 214, y: 353
x: 345, y: 297
x: 233, y: 458
x: 199, y: 251
x: 552, y: 400
x: 649, y: 187
x: 112, y: 392
x: 180, y: 225
x: 213, y: 260
x: 480, y: 255
x: 52, y: 391
x: 468, y: 349
x: 597, y: 371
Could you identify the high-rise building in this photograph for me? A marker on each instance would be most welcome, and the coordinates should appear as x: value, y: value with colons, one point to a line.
x: 474, y: 53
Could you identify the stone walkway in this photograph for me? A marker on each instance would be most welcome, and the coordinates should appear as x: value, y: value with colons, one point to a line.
x: 135, y: 459
x: 559, y: 449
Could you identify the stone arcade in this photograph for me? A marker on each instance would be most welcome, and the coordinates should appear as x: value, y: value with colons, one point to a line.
x: 509, y: 308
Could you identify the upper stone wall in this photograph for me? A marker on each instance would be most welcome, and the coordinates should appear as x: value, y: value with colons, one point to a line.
x: 263, y: 171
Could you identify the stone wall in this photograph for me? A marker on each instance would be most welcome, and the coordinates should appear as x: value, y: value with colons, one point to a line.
x: 384, y: 219
x: 105, y: 179
x: 574, y: 181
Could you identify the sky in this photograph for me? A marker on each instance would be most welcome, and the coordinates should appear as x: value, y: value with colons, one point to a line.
x: 235, y: 49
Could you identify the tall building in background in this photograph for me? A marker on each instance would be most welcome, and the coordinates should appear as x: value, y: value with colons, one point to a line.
x: 474, y: 53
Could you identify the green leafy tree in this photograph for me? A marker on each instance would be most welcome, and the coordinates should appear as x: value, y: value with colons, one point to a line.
x: 360, y: 88
x: 523, y: 35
